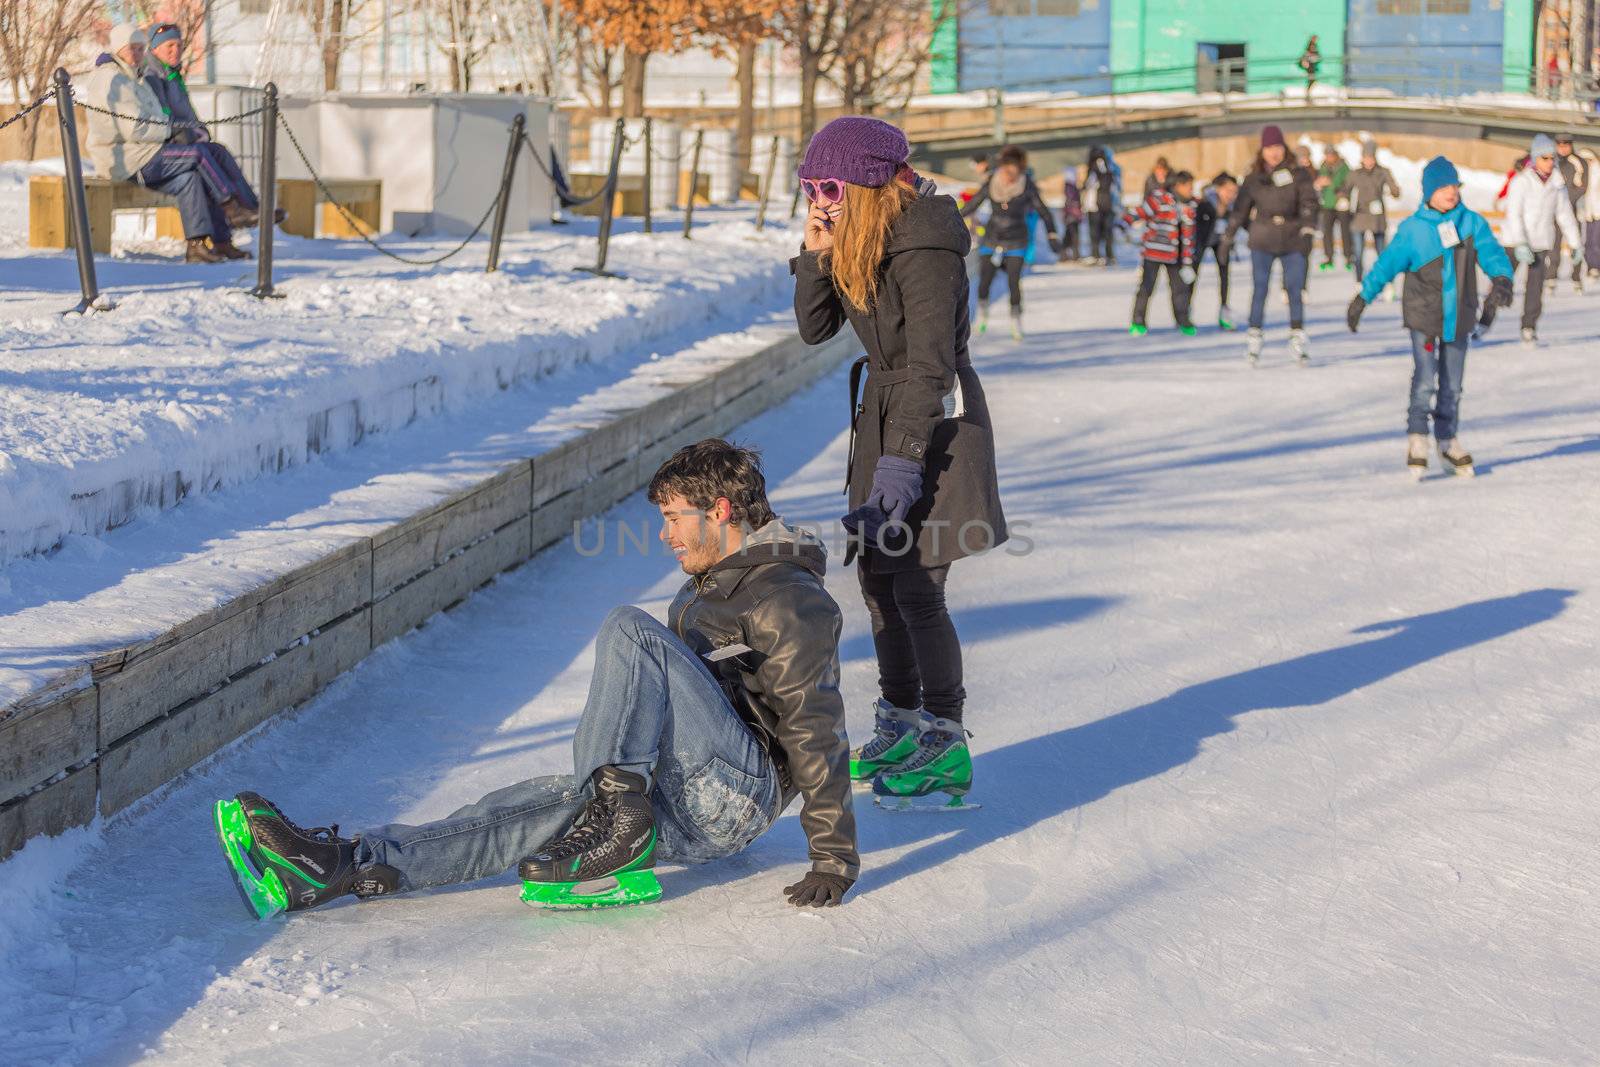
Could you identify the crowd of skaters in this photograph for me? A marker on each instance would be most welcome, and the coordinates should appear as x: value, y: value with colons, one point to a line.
x: 1284, y: 209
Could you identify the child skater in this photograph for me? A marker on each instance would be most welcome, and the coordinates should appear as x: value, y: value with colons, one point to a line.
x: 1438, y: 250
x: 1169, y: 213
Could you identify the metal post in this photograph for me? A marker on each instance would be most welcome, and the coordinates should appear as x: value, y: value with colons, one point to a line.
x: 610, y: 198
x: 268, y: 195
x: 794, y: 203
x: 999, y: 115
x: 508, y: 175
x: 649, y: 175
x: 766, y: 183
x: 694, y: 176
x: 77, y: 202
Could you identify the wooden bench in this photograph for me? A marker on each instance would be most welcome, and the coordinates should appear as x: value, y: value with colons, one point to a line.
x: 629, y: 196
x: 49, y: 225
x: 361, y: 197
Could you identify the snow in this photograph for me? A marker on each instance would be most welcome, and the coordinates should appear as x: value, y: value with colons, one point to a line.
x: 1479, y: 188
x: 1283, y: 759
x: 190, y: 386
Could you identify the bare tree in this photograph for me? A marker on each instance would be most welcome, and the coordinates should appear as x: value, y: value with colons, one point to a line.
x: 812, y: 29
x: 36, y: 37
x: 883, y: 47
x: 597, y: 70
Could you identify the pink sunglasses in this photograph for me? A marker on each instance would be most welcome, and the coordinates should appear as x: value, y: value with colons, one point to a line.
x: 823, y: 190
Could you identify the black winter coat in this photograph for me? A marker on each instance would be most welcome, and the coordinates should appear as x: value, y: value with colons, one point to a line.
x: 916, y: 343
x: 1276, y: 206
x: 769, y: 597
x: 1010, y: 225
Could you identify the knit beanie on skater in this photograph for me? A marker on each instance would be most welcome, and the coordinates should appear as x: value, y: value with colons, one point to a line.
x: 856, y: 149
x: 1271, y: 135
x: 1438, y: 173
x: 1543, y: 145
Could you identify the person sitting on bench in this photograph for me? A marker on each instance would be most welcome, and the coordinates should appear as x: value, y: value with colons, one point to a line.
x: 135, y: 144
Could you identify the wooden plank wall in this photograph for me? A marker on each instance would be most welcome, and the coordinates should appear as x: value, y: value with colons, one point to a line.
x: 110, y: 732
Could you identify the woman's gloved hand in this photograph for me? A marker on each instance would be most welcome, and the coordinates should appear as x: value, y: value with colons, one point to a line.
x: 1525, y: 256
x: 896, y: 485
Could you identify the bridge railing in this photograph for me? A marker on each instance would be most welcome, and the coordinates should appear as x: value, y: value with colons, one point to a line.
x: 1108, y: 98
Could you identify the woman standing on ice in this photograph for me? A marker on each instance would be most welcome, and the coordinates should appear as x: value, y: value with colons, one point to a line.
x: 886, y: 255
x: 1439, y: 250
x: 1008, y: 237
x: 1278, y: 205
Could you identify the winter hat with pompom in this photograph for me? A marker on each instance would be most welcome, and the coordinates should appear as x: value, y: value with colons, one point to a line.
x: 1436, y: 175
x: 856, y: 149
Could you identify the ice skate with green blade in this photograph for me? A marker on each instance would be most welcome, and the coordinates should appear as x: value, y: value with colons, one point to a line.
x: 280, y: 866
x: 893, y: 741
x: 606, y: 859
x: 937, y: 777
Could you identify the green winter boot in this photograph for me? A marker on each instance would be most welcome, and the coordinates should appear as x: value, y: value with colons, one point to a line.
x: 894, y: 740
x: 941, y: 764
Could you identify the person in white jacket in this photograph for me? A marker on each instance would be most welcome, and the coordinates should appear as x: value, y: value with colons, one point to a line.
x: 130, y: 139
x: 1538, y: 215
x: 1589, y: 212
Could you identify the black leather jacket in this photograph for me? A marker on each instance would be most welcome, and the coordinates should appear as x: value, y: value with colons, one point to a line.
x: 769, y: 596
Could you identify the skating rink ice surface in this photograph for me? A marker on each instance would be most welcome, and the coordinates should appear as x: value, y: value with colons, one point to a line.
x: 1282, y: 758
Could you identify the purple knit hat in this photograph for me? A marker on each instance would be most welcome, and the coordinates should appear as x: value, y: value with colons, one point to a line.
x: 1271, y: 135
x: 856, y: 149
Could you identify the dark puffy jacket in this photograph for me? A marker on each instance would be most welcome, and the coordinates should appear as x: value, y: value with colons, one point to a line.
x: 1441, y: 296
x: 1010, y: 224
x: 769, y: 597
x: 1365, y: 190
x: 173, y: 93
x: 916, y: 343
x: 1277, y: 206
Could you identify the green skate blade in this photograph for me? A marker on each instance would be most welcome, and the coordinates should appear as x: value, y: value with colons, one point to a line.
x: 263, y: 891
x: 932, y: 805
x: 619, y: 890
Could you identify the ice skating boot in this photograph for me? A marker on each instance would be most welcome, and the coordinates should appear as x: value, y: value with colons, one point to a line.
x: 1016, y: 324
x: 1254, y: 341
x: 606, y: 858
x: 1327, y: 264
x: 1188, y: 330
x: 1138, y: 329
x: 1224, y: 318
x: 1456, y: 458
x: 1417, y: 455
x: 893, y: 741
x: 938, y: 775
x: 1300, y: 345
x: 983, y: 316
x: 1577, y: 285
x: 281, y: 867
x: 1530, y: 337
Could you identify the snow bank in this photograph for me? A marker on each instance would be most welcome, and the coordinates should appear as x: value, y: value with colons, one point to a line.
x: 189, y: 386
x: 1478, y: 187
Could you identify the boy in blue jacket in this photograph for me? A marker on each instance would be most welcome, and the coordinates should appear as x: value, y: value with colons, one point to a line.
x: 1437, y: 249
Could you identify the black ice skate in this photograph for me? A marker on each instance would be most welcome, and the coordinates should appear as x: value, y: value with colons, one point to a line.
x: 281, y: 867
x: 606, y: 858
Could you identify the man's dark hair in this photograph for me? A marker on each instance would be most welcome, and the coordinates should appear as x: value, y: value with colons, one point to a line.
x: 1013, y: 155
x: 1179, y: 178
x: 706, y: 470
x: 981, y: 157
x: 1224, y: 178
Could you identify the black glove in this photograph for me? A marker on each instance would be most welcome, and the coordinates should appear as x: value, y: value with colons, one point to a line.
x: 1499, y: 292
x: 1358, y: 304
x: 817, y: 890
x: 1056, y: 246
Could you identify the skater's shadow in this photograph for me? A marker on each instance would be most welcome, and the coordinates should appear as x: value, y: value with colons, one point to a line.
x: 1029, y: 782
x: 1584, y: 444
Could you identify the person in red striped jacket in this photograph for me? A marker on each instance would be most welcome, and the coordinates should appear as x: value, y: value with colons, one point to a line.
x: 1169, y: 215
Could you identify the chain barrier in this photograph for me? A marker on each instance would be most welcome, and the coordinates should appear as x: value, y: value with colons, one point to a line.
x: 568, y: 201
x: 360, y: 227
x: 225, y: 120
x: 30, y: 109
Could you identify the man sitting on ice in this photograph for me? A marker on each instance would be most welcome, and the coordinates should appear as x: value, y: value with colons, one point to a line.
x: 693, y: 739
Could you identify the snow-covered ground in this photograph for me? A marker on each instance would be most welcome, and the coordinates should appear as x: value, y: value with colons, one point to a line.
x: 1283, y: 758
x: 190, y: 385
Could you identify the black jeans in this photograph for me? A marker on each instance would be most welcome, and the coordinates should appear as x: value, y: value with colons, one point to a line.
x: 1332, y: 219
x: 1102, y: 224
x: 1069, y: 240
x: 1223, y: 270
x: 987, y: 271
x: 1542, y: 267
x: 919, y: 654
x: 1147, y: 285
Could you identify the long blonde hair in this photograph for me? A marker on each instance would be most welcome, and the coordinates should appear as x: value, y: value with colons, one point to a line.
x: 860, y: 237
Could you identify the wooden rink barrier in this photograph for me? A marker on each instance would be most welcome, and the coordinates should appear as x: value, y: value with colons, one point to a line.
x: 111, y: 731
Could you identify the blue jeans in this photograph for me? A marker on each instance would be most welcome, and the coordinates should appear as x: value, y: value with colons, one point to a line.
x: 1294, y: 280
x: 1380, y: 239
x: 652, y: 704
x: 201, y: 176
x: 1435, y: 368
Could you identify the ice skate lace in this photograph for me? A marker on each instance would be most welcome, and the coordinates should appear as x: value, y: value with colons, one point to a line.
x: 316, y: 833
x: 884, y: 737
x: 593, y: 830
x: 932, y: 745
